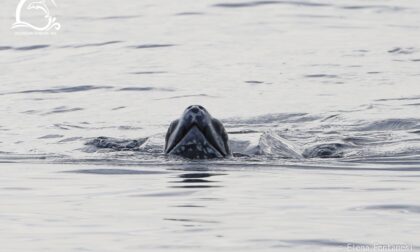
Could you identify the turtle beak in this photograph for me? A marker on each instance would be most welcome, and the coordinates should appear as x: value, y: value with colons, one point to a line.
x: 194, y: 144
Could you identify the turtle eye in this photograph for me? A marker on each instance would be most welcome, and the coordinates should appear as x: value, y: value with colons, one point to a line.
x: 201, y: 107
x: 189, y: 107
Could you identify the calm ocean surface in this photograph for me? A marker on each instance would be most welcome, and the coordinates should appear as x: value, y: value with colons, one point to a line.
x: 321, y: 100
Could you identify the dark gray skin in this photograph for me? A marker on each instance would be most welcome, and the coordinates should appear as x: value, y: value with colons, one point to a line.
x: 197, y: 135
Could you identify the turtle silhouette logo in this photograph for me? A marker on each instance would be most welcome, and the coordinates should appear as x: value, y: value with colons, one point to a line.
x: 42, y: 7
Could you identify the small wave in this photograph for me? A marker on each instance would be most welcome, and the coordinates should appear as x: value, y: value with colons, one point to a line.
x: 147, y: 46
x: 200, y: 175
x: 70, y: 139
x: 391, y: 124
x: 326, y: 150
x: 377, y: 7
x: 62, y: 109
x: 2, y: 48
x: 185, y: 96
x: 254, y: 82
x: 67, y: 126
x: 115, y: 144
x: 115, y: 172
x: 328, y: 188
x: 125, y: 127
x: 243, y: 132
x: 63, y: 89
x: 149, y: 72
x: 106, y: 17
x: 400, y: 50
x: 321, y: 76
x: 121, y: 17
x: 191, y: 220
x: 398, y: 163
x: 400, y: 98
x: 272, y: 143
x: 318, y: 16
x: 196, y: 186
x: 261, y: 3
x: 331, y: 117
x: 413, y: 104
x: 189, y: 13
x: 93, y: 44
x: 391, y: 207
x: 33, y: 47
x: 360, y: 140
x: 308, y: 4
x: 273, y: 118
x: 145, y: 89
x: 30, y: 112
x: 50, y: 136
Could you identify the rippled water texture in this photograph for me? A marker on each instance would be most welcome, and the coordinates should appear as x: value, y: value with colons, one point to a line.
x: 321, y: 100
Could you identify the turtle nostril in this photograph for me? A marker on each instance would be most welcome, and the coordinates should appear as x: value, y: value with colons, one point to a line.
x: 194, y: 110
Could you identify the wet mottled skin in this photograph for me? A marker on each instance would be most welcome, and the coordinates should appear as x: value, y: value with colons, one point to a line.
x: 197, y: 135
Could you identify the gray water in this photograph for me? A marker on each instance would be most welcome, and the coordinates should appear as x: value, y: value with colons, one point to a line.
x: 320, y: 98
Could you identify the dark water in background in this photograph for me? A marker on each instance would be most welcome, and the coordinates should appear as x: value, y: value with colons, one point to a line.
x: 321, y: 99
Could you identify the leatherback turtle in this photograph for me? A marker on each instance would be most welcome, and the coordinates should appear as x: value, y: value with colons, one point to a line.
x: 197, y: 135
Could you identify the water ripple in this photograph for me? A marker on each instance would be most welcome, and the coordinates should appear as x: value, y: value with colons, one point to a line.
x: 145, y: 89
x: 148, y: 46
x: 93, y: 44
x: 33, y: 47
x: 81, y: 88
x: 114, y: 172
x: 261, y: 3
x: 392, y: 207
x: 115, y: 144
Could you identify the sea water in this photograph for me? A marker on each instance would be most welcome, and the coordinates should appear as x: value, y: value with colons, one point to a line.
x: 321, y: 100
